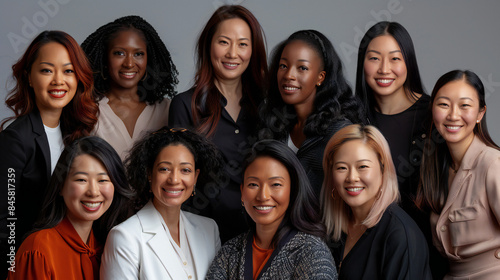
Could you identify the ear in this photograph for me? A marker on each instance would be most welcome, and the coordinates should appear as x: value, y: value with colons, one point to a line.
x: 196, y: 173
x: 481, y: 113
x: 321, y: 78
x: 29, y: 78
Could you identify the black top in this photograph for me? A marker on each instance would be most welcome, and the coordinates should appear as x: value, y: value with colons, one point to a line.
x: 24, y: 175
x: 220, y: 201
x: 395, y: 248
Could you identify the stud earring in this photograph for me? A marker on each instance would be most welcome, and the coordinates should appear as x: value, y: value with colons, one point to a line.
x: 194, y: 190
x: 319, y: 84
x: 477, y: 121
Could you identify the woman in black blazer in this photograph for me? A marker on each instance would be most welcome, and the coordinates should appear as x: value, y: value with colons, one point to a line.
x: 53, y: 105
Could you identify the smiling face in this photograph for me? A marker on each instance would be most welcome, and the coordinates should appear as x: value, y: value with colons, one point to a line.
x: 53, y: 78
x: 127, y: 59
x: 384, y: 66
x: 357, y: 175
x: 173, y: 177
x: 231, y: 49
x: 265, y: 192
x: 456, y: 112
x: 88, y: 191
x: 300, y: 72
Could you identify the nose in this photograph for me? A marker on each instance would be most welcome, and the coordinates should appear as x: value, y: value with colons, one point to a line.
x: 58, y: 78
x: 173, y: 178
x: 353, y: 175
x: 290, y: 73
x: 232, y: 51
x: 93, y: 189
x: 454, y: 113
x: 264, y: 193
x: 384, y: 67
x: 128, y: 61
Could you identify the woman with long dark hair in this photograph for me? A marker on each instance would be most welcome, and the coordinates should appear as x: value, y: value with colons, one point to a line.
x: 53, y: 106
x: 88, y: 194
x: 222, y: 105
x: 460, y: 183
x: 133, y: 74
x: 308, y: 99
x: 285, y: 240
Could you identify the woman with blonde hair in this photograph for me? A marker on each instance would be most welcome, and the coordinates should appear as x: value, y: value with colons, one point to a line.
x: 366, y: 226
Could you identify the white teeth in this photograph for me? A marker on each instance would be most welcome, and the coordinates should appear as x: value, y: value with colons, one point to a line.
x: 174, y: 192
x: 57, y: 93
x: 354, y: 189
x: 453, y: 127
x: 128, y: 74
x: 92, y: 205
x: 231, y: 64
x: 263, y: 208
x: 384, y: 81
x: 291, y: 88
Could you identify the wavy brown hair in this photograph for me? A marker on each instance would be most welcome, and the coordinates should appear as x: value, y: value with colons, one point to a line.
x: 205, y: 104
x: 80, y: 115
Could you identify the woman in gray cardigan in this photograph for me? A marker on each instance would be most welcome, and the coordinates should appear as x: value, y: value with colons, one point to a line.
x: 286, y: 236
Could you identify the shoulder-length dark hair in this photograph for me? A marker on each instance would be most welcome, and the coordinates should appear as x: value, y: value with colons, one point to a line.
x: 140, y: 161
x: 433, y: 189
x: 334, y: 99
x: 303, y: 211
x: 413, y: 83
x: 80, y: 115
x: 53, y: 207
x: 205, y: 105
x: 161, y: 74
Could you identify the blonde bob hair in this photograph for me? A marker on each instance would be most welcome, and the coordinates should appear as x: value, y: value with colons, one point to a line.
x: 335, y: 212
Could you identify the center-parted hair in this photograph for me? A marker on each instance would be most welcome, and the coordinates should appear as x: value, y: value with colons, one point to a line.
x: 303, y: 209
x: 53, y: 207
x: 205, y: 105
x: 161, y: 74
x: 336, y: 213
x: 140, y: 161
x: 334, y: 99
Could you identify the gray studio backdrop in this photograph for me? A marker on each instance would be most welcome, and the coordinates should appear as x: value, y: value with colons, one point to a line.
x: 447, y: 34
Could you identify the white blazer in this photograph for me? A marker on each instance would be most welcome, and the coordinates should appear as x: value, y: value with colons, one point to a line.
x: 139, y: 248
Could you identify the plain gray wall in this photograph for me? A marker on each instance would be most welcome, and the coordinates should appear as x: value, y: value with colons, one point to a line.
x: 447, y: 34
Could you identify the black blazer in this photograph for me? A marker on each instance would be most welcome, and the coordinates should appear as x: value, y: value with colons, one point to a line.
x: 24, y: 175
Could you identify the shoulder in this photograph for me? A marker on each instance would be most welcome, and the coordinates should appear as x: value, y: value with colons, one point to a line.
x: 236, y: 244
x: 184, y: 97
x: 308, y: 243
x: 401, y: 227
x: 127, y: 229
x: 43, y: 242
x: 21, y: 126
x: 199, y: 220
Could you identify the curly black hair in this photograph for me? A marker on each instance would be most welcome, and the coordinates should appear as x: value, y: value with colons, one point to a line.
x: 140, y: 161
x: 161, y: 75
x: 334, y: 99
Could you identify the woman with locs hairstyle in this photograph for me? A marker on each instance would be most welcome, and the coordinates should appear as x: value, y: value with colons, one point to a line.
x: 133, y: 74
x: 308, y: 99
x: 460, y: 181
x: 53, y: 106
x: 371, y: 236
x: 285, y: 240
x: 88, y: 195
x: 161, y: 241
x: 222, y: 105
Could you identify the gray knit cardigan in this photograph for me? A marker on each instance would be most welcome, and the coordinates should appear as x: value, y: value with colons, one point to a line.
x: 299, y: 256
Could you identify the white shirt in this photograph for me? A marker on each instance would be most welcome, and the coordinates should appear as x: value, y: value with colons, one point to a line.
x: 291, y: 145
x: 56, y: 144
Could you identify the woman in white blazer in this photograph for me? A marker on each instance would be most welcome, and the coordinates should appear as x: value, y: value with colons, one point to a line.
x: 161, y: 241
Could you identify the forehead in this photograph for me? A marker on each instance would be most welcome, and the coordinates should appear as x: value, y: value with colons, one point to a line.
x: 233, y: 26
x: 52, y: 51
x: 267, y: 166
x: 383, y: 43
x: 175, y: 152
x: 458, y: 90
x: 127, y: 36
x: 354, y: 150
x: 298, y: 49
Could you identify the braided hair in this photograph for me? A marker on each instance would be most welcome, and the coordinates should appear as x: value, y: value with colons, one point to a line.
x: 161, y: 74
x: 334, y: 99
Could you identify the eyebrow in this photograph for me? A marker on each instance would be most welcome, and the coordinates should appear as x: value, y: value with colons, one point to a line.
x: 270, y: 178
x: 168, y: 162
x: 51, y: 64
x: 85, y: 173
x: 301, y: 60
x: 447, y: 98
x: 224, y: 36
x: 377, y: 52
x: 356, y: 161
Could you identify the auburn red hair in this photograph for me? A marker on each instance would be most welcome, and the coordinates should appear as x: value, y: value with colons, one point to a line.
x: 205, y: 105
x: 79, y: 117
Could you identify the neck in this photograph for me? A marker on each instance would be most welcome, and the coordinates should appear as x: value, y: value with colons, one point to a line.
x: 124, y: 95
x: 51, y: 118
x: 83, y: 228
x: 458, y: 150
x: 170, y: 215
x: 359, y: 215
x: 229, y: 89
x: 393, y: 103
x: 264, y: 235
x: 303, y: 111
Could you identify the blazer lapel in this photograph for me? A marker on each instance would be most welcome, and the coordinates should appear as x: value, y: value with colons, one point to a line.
x: 41, y: 138
x: 196, y: 241
x: 160, y: 242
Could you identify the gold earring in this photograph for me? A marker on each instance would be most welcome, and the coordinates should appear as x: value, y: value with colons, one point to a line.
x: 242, y: 204
x: 194, y: 190
x: 145, y: 76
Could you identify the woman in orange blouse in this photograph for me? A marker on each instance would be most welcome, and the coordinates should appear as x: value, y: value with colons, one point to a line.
x: 86, y: 197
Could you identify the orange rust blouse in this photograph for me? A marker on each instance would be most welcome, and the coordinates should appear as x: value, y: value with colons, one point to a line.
x: 57, y: 253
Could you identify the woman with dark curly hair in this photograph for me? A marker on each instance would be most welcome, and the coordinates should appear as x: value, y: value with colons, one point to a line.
x: 53, y: 106
x: 161, y: 241
x: 133, y: 73
x: 222, y: 105
x: 88, y: 195
x: 285, y: 240
x: 308, y: 99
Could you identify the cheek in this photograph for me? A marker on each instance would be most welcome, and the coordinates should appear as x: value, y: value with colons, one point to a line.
x: 369, y: 69
x: 108, y: 191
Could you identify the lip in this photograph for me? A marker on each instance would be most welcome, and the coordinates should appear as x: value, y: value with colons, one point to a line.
x: 173, y: 192
x: 354, y: 191
x: 58, y: 93
x: 263, y: 209
x: 230, y: 65
x: 384, y: 82
x: 289, y: 88
x: 453, y: 128
x: 128, y: 75
x: 92, y: 206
